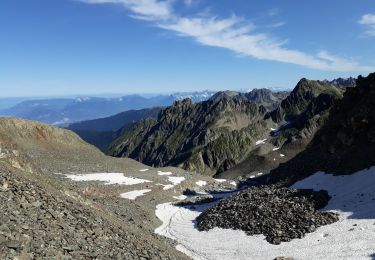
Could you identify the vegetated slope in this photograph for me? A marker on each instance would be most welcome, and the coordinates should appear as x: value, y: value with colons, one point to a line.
x: 296, y: 120
x: 68, y: 110
x: 206, y: 137
x: 101, y: 132
x: 346, y: 142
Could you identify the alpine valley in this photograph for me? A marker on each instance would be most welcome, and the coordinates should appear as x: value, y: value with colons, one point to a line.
x: 280, y: 175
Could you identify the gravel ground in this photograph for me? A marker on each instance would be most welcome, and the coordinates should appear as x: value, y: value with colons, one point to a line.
x: 281, y: 214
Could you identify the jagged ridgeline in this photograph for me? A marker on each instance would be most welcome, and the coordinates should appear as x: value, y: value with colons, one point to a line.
x: 344, y: 144
x: 207, y: 137
x: 215, y: 135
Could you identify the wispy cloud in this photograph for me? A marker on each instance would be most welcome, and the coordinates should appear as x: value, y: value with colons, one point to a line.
x: 368, y: 20
x: 273, y: 12
x: 232, y: 33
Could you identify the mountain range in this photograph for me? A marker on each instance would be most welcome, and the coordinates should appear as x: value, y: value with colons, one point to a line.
x: 232, y: 133
x: 64, y: 111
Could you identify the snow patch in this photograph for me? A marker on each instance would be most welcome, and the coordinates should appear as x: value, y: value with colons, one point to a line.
x: 107, y: 178
x: 220, y: 180
x: 352, y: 237
x: 160, y: 173
x: 143, y: 170
x: 201, y: 183
x: 259, y: 142
x: 282, y: 155
x: 181, y: 197
x: 276, y: 148
x: 132, y: 195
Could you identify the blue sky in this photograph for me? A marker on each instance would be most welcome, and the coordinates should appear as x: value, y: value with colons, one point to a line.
x: 75, y: 47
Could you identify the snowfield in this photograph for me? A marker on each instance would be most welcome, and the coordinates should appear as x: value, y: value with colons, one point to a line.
x: 107, y: 178
x: 352, y: 237
x: 132, y: 195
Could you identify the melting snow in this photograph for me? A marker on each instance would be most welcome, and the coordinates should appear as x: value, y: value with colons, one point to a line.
x: 132, y: 195
x: 352, y: 237
x: 107, y: 178
x: 201, y: 183
x: 176, y: 180
x: 164, y: 173
x: 260, y: 142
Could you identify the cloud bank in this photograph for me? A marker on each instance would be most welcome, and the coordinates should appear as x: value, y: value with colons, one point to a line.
x: 232, y: 33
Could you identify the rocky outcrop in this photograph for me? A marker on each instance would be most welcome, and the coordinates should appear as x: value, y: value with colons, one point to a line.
x: 346, y: 142
x: 305, y: 92
x: 280, y: 214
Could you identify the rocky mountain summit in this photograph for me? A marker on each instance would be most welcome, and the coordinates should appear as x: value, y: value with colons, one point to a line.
x: 346, y: 142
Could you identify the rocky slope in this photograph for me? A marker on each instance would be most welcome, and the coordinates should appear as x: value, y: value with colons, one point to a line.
x: 206, y: 137
x: 346, y: 142
x: 305, y: 92
x: 44, y: 215
x: 296, y: 121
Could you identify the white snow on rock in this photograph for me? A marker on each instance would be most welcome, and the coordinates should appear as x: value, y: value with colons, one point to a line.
x: 233, y: 183
x: 273, y: 129
x: 176, y: 180
x: 259, y: 142
x: 201, y: 183
x: 220, y: 180
x: 168, y: 186
x: 143, y: 170
x: 107, y: 178
x: 160, y: 173
x: 132, y: 195
x: 181, y: 197
x: 282, y: 155
x: 276, y: 148
x: 352, y: 237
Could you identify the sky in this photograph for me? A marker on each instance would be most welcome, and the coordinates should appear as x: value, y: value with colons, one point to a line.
x: 92, y: 47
